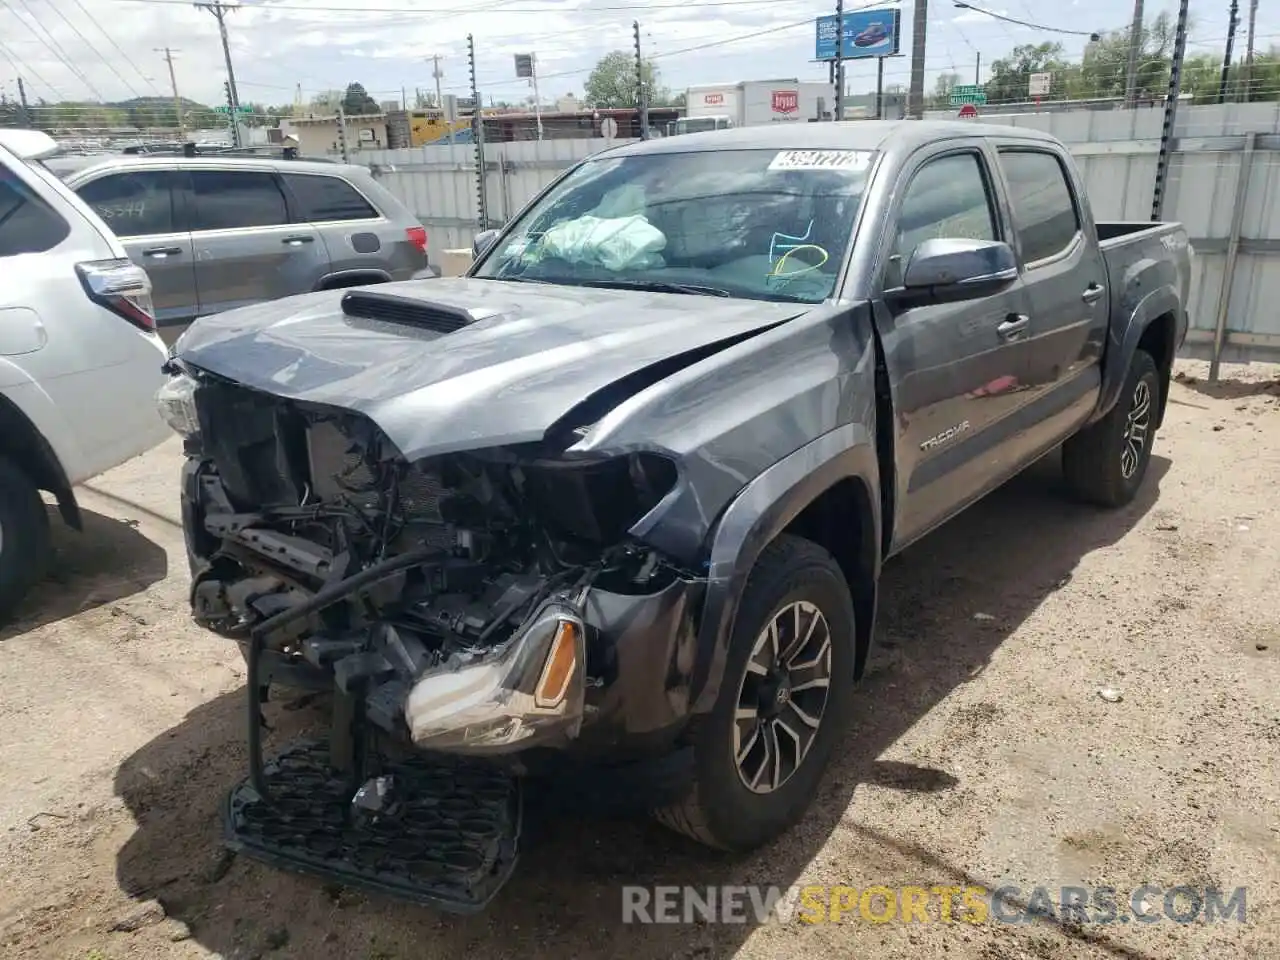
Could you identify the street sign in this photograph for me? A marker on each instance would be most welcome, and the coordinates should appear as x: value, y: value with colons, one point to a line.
x: 1038, y: 84
x: 968, y: 93
x: 867, y: 34
x: 240, y: 109
x: 608, y: 128
x: 524, y: 65
x: 968, y: 112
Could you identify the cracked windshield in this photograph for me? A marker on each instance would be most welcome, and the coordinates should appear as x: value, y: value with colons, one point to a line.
x: 755, y: 224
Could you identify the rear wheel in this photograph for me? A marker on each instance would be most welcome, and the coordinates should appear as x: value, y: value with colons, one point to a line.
x: 1106, y: 461
x: 24, y: 536
x: 783, y: 705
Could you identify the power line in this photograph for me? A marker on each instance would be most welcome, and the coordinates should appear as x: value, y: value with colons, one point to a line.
x: 51, y: 44
x: 463, y: 11
x: 28, y: 70
x: 97, y: 53
x: 111, y: 40
x: 1091, y: 34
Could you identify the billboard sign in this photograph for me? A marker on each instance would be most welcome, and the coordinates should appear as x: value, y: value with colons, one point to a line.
x: 867, y: 34
x: 524, y: 65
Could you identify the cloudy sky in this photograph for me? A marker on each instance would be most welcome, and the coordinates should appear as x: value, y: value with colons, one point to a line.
x: 86, y: 49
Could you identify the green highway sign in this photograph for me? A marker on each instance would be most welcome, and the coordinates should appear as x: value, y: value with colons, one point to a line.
x: 968, y: 93
x: 239, y: 109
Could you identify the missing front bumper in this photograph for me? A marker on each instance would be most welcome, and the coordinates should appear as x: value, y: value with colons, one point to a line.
x: 447, y: 835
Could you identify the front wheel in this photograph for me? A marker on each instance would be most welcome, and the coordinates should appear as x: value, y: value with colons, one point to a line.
x: 1105, y: 462
x: 783, y: 705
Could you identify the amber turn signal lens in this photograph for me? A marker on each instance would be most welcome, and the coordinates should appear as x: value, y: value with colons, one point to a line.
x: 558, y: 670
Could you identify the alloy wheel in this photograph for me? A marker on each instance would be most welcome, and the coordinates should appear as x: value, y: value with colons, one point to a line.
x: 782, y: 697
x: 1137, y: 427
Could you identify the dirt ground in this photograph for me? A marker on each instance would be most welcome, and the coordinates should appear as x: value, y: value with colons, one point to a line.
x: 982, y: 752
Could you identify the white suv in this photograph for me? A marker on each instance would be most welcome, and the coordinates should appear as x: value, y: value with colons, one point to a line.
x: 79, y: 356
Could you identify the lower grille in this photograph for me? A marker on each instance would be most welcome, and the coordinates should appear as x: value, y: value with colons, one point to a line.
x: 449, y: 838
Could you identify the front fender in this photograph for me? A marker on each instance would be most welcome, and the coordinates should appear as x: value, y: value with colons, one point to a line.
x: 1124, y: 338
x: 755, y: 517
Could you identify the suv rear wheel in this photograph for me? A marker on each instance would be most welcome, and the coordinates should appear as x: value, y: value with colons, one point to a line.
x: 783, y: 705
x: 24, y: 536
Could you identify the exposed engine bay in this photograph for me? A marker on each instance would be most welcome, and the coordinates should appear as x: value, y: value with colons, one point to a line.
x: 458, y: 600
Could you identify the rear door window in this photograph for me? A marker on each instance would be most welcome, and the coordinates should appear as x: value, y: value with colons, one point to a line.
x: 27, y: 223
x: 134, y: 204
x: 236, y: 199
x: 321, y: 198
x: 1043, y: 207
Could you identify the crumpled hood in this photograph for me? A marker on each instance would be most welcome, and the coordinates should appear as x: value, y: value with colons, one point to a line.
x: 535, y: 353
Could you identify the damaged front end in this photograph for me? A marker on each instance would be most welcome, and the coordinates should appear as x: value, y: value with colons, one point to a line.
x: 470, y: 605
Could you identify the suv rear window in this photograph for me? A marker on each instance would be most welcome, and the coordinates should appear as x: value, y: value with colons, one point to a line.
x: 27, y: 223
x: 323, y: 198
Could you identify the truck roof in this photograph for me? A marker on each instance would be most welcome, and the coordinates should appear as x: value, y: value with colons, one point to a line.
x: 846, y: 135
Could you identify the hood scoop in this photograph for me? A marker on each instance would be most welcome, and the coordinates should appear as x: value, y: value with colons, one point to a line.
x: 406, y: 311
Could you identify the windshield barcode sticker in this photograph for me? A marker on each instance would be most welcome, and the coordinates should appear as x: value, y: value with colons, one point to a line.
x: 850, y: 160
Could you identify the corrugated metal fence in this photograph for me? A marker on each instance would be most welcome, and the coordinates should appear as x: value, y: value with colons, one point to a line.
x: 1224, y: 185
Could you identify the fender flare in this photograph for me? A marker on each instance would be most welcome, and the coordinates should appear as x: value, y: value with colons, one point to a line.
x: 1123, y: 344
x: 762, y: 510
x: 36, y: 453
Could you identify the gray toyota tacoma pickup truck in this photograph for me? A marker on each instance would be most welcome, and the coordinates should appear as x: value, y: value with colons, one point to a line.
x: 612, y: 508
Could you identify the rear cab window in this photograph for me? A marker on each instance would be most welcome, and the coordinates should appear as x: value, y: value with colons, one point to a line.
x: 27, y: 223
x: 319, y: 198
x: 1042, y: 202
x: 236, y: 199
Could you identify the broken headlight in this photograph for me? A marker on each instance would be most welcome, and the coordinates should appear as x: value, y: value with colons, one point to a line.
x: 530, y: 691
x: 177, y: 404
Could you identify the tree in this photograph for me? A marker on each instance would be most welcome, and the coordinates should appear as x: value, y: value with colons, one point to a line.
x: 357, y: 101
x: 613, y: 81
x: 942, y: 88
x: 1011, y: 75
x: 1105, y: 70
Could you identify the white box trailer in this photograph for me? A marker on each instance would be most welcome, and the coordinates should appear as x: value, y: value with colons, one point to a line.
x: 752, y: 102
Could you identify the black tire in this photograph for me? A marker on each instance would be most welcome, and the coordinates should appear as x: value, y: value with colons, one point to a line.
x: 1102, y: 463
x: 24, y: 536
x: 721, y: 810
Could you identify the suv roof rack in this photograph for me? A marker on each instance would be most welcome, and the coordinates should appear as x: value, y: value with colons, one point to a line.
x: 190, y: 149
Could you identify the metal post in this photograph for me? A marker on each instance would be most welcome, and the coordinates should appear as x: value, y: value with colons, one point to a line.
x: 1248, y: 52
x: 879, y: 88
x: 642, y: 94
x: 477, y: 129
x: 342, y: 135
x: 26, y: 110
x: 918, y: 30
x: 177, y: 100
x: 1135, y: 48
x: 839, y: 111
x: 537, y: 98
x: 1233, y: 252
x: 1170, y: 111
x: 1233, y: 19
x: 977, y: 69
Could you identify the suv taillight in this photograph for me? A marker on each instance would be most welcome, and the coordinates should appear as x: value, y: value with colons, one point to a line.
x: 122, y: 287
x: 418, y: 237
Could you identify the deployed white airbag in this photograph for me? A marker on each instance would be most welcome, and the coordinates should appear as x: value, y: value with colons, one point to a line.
x: 616, y: 243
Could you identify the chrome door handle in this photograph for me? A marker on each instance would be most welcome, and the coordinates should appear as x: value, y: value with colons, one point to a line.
x: 1093, y: 293
x: 161, y: 252
x: 294, y: 241
x: 1013, y: 326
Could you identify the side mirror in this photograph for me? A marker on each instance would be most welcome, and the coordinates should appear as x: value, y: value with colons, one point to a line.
x: 483, y: 241
x: 952, y: 270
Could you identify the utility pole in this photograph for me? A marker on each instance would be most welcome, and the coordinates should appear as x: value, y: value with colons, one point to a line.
x: 173, y: 82
x: 220, y: 11
x: 1135, y: 49
x: 26, y: 110
x: 919, y: 28
x: 1232, y: 22
x: 977, y: 66
x: 839, y: 111
x: 435, y: 72
x: 1248, y: 52
x: 642, y: 95
x: 477, y: 127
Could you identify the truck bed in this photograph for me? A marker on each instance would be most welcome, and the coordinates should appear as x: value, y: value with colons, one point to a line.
x: 1140, y: 256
